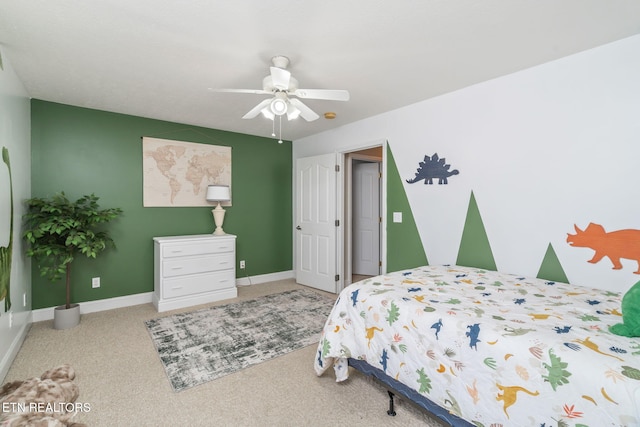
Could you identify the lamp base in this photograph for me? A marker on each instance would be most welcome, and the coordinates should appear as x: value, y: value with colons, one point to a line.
x: 218, y: 218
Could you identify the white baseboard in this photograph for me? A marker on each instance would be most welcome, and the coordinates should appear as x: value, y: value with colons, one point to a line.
x: 264, y: 278
x: 14, y: 347
x: 99, y: 305
x: 147, y: 297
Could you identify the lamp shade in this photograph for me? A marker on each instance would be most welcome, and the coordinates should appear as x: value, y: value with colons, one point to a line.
x: 218, y: 193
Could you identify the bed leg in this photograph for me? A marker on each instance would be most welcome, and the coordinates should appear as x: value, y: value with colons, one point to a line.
x: 391, y: 411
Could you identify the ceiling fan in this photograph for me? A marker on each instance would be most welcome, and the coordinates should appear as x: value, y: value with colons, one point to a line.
x: 286, y: 92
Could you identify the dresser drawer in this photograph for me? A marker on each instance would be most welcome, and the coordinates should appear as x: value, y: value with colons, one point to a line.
x: 179, y: 249
x: 198, y: 264
x: 181, y: 286
x: 191, y: 270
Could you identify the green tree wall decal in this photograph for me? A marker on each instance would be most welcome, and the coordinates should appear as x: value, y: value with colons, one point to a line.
x: 475, y: 250
x: 404, y: 247
x: 551, y: 269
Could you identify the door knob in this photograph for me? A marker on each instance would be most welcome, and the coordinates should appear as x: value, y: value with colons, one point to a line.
x: 298, y: 228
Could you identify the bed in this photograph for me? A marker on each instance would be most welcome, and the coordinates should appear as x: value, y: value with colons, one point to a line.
x: 487, y: 348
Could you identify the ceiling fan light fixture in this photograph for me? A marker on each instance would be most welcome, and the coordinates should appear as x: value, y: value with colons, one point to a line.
x: 292, y: 112
x: 278, y: 106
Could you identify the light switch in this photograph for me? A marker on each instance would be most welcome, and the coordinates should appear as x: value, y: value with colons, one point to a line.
x: 397, y: 217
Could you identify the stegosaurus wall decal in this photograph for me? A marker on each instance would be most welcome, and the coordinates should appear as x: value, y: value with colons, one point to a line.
x: 433, y: 167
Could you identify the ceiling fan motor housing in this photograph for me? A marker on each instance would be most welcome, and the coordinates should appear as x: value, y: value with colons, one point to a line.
x: 280, y: 61
x: 268, y: 86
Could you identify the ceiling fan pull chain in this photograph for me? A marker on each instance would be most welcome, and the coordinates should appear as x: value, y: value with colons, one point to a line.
x: 280, y: 140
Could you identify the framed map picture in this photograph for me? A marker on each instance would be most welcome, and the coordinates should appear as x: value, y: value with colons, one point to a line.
x: 177, y: 173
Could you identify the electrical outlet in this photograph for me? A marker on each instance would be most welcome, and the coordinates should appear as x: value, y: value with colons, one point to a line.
x: 95, y: 282
x: 24, y: 299
x: 242, y: 264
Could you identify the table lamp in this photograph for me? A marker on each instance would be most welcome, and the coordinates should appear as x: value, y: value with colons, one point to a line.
x: 218, y: 193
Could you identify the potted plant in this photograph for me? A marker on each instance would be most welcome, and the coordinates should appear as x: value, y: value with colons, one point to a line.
x: 57, y: 231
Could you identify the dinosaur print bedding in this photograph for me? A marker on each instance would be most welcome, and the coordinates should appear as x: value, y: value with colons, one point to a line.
x: 494, y: 349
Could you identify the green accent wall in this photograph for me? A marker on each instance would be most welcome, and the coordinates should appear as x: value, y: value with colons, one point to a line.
x: 404, y: 247
x: 551, y: 269
x: 475, y: 250
x: 82, y: 151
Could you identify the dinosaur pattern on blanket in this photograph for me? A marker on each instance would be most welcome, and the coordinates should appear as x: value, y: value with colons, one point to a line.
x: 493, y: 348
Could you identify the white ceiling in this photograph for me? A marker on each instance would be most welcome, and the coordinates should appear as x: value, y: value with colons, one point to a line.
x: 156, y: 58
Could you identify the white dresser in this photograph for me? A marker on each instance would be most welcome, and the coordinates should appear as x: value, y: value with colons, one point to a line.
x: 191, y: 270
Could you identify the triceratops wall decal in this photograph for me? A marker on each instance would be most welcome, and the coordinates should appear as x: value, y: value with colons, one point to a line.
x: 433, y: 167
x: 613, y: 245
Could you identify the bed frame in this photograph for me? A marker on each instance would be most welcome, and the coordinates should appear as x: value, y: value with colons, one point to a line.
x: 396, y: 387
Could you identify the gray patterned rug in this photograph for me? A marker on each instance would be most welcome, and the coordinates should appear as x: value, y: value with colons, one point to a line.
x: 206, y: 344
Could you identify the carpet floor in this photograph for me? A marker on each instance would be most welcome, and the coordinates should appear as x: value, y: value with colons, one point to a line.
x: 122, y: 379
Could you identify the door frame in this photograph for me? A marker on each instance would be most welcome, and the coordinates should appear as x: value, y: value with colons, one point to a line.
x: 343, y: 206
x: 342, y: 215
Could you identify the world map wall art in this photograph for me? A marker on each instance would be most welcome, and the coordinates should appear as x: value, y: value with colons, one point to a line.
x: 177, y: 173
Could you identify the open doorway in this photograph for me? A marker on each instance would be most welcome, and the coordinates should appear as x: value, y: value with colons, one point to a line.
x: 363, y: 214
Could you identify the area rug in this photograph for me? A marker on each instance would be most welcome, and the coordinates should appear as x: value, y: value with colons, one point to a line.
x: 202, y: 345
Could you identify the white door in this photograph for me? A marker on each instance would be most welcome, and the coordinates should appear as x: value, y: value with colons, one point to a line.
x: 315, y: 222
x: 366, y: 218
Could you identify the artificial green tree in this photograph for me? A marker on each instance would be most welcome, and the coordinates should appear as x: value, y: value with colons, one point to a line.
x: 58, y: 230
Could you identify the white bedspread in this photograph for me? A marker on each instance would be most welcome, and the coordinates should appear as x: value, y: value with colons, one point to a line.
x: 495, y: 349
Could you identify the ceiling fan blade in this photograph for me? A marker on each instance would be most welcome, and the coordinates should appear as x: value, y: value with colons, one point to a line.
x: 256, y: 110
x: 253, y: 91
x: 280, y: 78
x: 326, y: 94
x: 307, y: 113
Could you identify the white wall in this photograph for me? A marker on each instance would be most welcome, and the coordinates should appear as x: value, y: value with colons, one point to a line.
x: 541, y: 149
x: 15, y: 134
